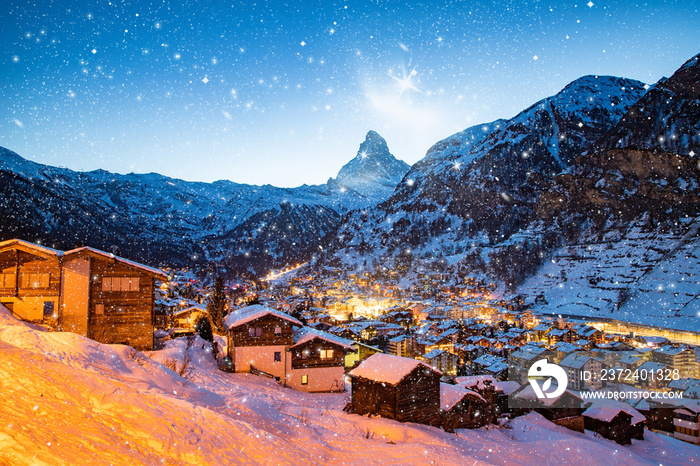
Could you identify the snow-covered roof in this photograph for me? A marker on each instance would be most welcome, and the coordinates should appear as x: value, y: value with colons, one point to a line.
x: 671, y: 350
x: 476, y: 381
x: 433, y: 354
x: 652, y: 366
x: 107, y: 255
x: 507, y: 386
x: 387, y: 368
x: 575, y: 360
x: 305, y: 334
x: 606, y: 411
x: 189, y: 309
x: 497, y: 367
x: 450, y: 395
x: 37, y: 247
x: 566, y: 347
x: 250, y: 313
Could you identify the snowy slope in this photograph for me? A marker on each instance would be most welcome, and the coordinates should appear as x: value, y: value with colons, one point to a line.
x: 69, y: 400
x: 647, y: 277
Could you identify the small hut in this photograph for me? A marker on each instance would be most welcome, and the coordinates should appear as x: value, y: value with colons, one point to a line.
x: 396, y: 388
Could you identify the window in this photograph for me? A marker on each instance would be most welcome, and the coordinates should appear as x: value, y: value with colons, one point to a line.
x: 278, y: 331
x: 120, y: 283
x: 326, y: 354
x: 304, y: 379
x: 278, y: 356
x: 48, y: 309
x: 34, y: 280
x: 305, y: 354
x: 255, y: 332
x: 7, y: 280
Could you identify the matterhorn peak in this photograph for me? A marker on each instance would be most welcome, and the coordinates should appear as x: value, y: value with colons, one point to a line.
x: 373, y: 167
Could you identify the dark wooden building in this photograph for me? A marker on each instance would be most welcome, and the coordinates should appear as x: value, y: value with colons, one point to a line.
x: 463, y: 409
x: 615, y: 421
x: 396, y: 388
x: 85, y: 291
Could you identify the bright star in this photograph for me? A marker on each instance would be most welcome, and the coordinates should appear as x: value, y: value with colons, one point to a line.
x: 405, y: 82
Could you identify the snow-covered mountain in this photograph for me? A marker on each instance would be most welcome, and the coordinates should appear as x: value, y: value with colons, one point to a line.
x: 479, y: 186
x: 666, y: 118
x: 588, y: 199
x: 158, y: 219
x: 374, y: 172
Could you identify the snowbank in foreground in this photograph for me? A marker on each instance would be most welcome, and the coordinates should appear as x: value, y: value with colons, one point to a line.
x: 70, y: 400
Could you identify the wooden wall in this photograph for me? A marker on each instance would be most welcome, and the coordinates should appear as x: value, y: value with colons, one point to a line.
x: 127, y: 315
x: 27, y: 303
x: 418, y: 397
x: 240, y: 335
x: 373, y: 398
x: 313, y: 349
x: 415, y: 399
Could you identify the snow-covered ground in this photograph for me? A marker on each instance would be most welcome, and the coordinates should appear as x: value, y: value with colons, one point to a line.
x: 70, y: 400
x: 644, y: 277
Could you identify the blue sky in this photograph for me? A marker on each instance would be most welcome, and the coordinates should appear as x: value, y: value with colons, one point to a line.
x: 284, y: 92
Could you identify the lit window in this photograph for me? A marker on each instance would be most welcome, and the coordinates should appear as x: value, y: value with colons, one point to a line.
x: 326, y: 354
x: 34, y: 280
x: 304, y: 379
x: 120, y: 283
x: 7, y: 280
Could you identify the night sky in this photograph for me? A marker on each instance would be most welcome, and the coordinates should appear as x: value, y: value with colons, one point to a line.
x: 284, y: 92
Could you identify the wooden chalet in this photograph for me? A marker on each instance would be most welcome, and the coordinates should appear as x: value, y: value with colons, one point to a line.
x: 393, y: 387
x: 187, y: 318
x: 463, y: 409
x: 268, y: 342
x: 316, y: 361
x: 617, y: 422
x: 258, y: 337
x: 85, y: 291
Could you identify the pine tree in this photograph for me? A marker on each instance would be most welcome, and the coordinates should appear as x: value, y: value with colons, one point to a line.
x: 217, y: 305
x: 203, y: 328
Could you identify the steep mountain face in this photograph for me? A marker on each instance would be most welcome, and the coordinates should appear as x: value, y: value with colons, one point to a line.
x: 374, y: 172
x: 666, y: 118
x: 157, y: 219
x: 622, y: 223
x: 478, y: 187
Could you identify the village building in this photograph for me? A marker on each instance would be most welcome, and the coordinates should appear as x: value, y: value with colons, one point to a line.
x: 361, y: 352
x: 583, y: 371
x: 187, y: 318
x: 463, y: 409
x: 268, y: 342
x: 677, y: 357
x: 617, y: 421
x: 403, y: 345
x: 686, y: 422
x: 402, y: 389
x: 85, y: 291
x: 443, y: 361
